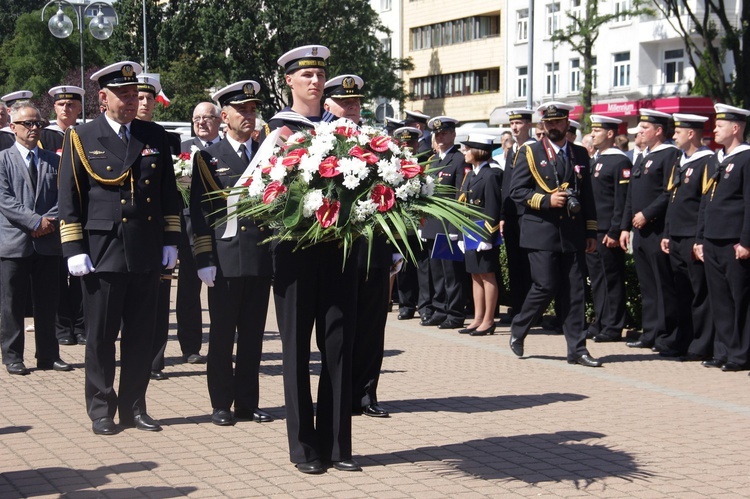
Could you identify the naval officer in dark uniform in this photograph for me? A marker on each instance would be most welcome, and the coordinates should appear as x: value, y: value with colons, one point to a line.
x: 645, y: 212
x: 119, y: 226
x: 236, y: 268
x: 556, y: 230
x: 724, y: 240
x: 696, y: 332
x: 610, y: 176
x: 311, y: 288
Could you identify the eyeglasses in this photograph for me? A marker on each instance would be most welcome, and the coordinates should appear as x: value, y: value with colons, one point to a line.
x: 199, y: 119
x: 29, y: 124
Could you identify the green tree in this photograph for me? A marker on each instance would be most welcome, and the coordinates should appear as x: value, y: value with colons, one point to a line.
x: 582, y: 32
x: 127, y: 38
x: 10, y: 12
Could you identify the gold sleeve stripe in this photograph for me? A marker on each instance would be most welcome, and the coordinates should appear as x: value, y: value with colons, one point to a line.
x: 203, y: 248
x: 591, y: 225
x: 624, y: 181
x: 535, y: 172
x: 491, y: 228
x: 173, y: 223
x: 536, y: 201
x: 70, y: 232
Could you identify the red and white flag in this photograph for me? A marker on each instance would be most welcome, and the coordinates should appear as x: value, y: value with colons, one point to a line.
x: 161, y: 97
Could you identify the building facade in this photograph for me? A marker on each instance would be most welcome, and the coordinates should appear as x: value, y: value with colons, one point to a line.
x: 390, y: 15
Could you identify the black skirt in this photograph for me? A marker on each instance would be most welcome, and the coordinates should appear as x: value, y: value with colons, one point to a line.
x: 482, y: 262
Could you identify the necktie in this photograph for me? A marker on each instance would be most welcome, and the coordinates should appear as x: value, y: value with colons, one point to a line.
x: 243, y: 155
x: 124, y: 134
x: 33, y: 173
x: 209, y: 143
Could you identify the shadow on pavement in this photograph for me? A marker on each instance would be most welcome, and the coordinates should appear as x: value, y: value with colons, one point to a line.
x: 14, y: 429
x: 542, y: 457
x: 470, y: 405
x: 79, y: 483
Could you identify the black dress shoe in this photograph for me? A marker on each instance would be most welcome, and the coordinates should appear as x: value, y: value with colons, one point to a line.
x: 732, y: 367
x: 451, y: 324
x: 56, y: 365
x: 402, y: 316
x: 104, y: 426
x: 516, y: 345
x: 712, y: 363
x: 81, y: 339
x: 195, y: 358
x: 483, y: 332
x: 18, y: 368
x: 158, y: 375
x: 258, y: 415
x: 67, y: 341
x: 432, y: 320
x: 375, y: 411
x: 314, y: 467
x: 638, y: 344
x: 586, y: 360
x: 222, y: 417
x: 604, y: 338
x: 347, y: 465
x: 468, y: 330
x: 142, y: 422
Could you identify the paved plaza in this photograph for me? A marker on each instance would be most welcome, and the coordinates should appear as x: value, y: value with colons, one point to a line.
x: 469, y: 419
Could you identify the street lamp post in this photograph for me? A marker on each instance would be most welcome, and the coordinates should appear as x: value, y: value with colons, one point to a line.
x: 61, y: 26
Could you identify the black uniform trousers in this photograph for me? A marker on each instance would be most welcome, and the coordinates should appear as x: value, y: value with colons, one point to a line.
x: 519, y: 274
x: 108, y: 298
x: 414, y: 282
x: 660, y: 315
x: 69, y: 321
x: 40, y: 273
x: 606, y: 268
x: 188, y: 306
x: 448, y: 284
x: 309, y: 288
x: 729, y: 294
x: 696, y: 329
x: 161, y: 331
x: 236, y: 304
x: 560, y: 276
x: 369, y: 335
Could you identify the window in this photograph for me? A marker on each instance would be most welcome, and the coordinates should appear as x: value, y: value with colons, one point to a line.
x: 621, y: 77
x: 457, y: 31
x: 386, y: 44
x: 551, y: 78
x: 451, y: 85
x: 522, y: 25
x: 385, y: 5
x: 594, y: 74
x: 575, y: 8
x: 522, y: 81
x: 575, y: 76
x: 621, y: 6
x: 553, y: 18
x: 674, y: 66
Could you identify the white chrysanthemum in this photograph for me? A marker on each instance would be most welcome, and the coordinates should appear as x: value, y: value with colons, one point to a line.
x: 428, y: 189
x: 296, y: 138
x: 393, y: 147
x: 354, y: 171
x: 324, y: 128
x: 321, y: 145
x: 278, y: 172
x: 363, y: 139
x: 308, y: 166
x: 409, y: 189
x: 351, y: 182
x: 390, y: 171
x: 311, y: 202
x: 256, y: 187
x: 364, y: 209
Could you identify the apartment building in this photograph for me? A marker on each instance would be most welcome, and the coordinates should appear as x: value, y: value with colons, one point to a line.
x: 390, y: 15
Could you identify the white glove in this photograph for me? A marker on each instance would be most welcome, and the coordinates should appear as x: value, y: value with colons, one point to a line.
x: 169, y: 256
x: 207, y: 275
x: 462, y: 246
x: 453, y: 237
x: 484, y: 246
x: 79, y: 265
x: 419, y: 233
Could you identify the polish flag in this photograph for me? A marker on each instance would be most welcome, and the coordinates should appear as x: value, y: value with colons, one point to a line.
x: 161, y: 97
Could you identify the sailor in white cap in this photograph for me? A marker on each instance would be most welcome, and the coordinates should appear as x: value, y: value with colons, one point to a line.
x: 519, y: 275
x: 552, y: 181
x: 7, y: 137
x: 148, y: 88
x: 610, y: 176
x: 419, y: 120
x: 392, y: 124
x: 644, y: 214
x: 343, y: 96
x: 119, y: 215
x: 237, y: 264
x: 696, y: 332
x: 573, y: 129
x: 68, y: 104
x: 724, y: 240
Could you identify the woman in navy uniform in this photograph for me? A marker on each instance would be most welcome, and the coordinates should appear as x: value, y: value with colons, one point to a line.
x: 482, y: 187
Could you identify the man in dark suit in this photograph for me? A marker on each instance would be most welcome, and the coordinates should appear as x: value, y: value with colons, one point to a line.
x: 68, y: 103
x: 236, y: 268
x: 119, y: 225
x: 29, y: 245
x: 645, y: 213
x: 206, y: 121
x: 610, y: 177
x: 7, y: 137
x: 448, y: 301
x: 551, y: 180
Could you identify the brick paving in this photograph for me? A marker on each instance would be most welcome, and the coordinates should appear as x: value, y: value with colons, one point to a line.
x: 469, y: 419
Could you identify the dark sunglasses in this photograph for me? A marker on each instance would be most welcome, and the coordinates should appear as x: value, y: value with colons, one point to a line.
x: 29, y: 124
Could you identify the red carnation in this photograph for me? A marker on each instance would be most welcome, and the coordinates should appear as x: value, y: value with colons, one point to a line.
x: 293, y: 158
x: 384, y: 197
x: 328, y: 213
x: 184, y: 156
x: 409, y: 169
x: 273, y: 190
x: 380, y: 143
x: 366, y: 156
x: 329, y: 167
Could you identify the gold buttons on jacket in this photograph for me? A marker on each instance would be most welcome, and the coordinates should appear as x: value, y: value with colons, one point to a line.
x: 148, y: 200
x: 109, y: 168
x: 149, y: 218
x: 147, y: 181
x: 243, y: 228
x: 124, y: 220
x: 153, y: 165
x: 123, y: 201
